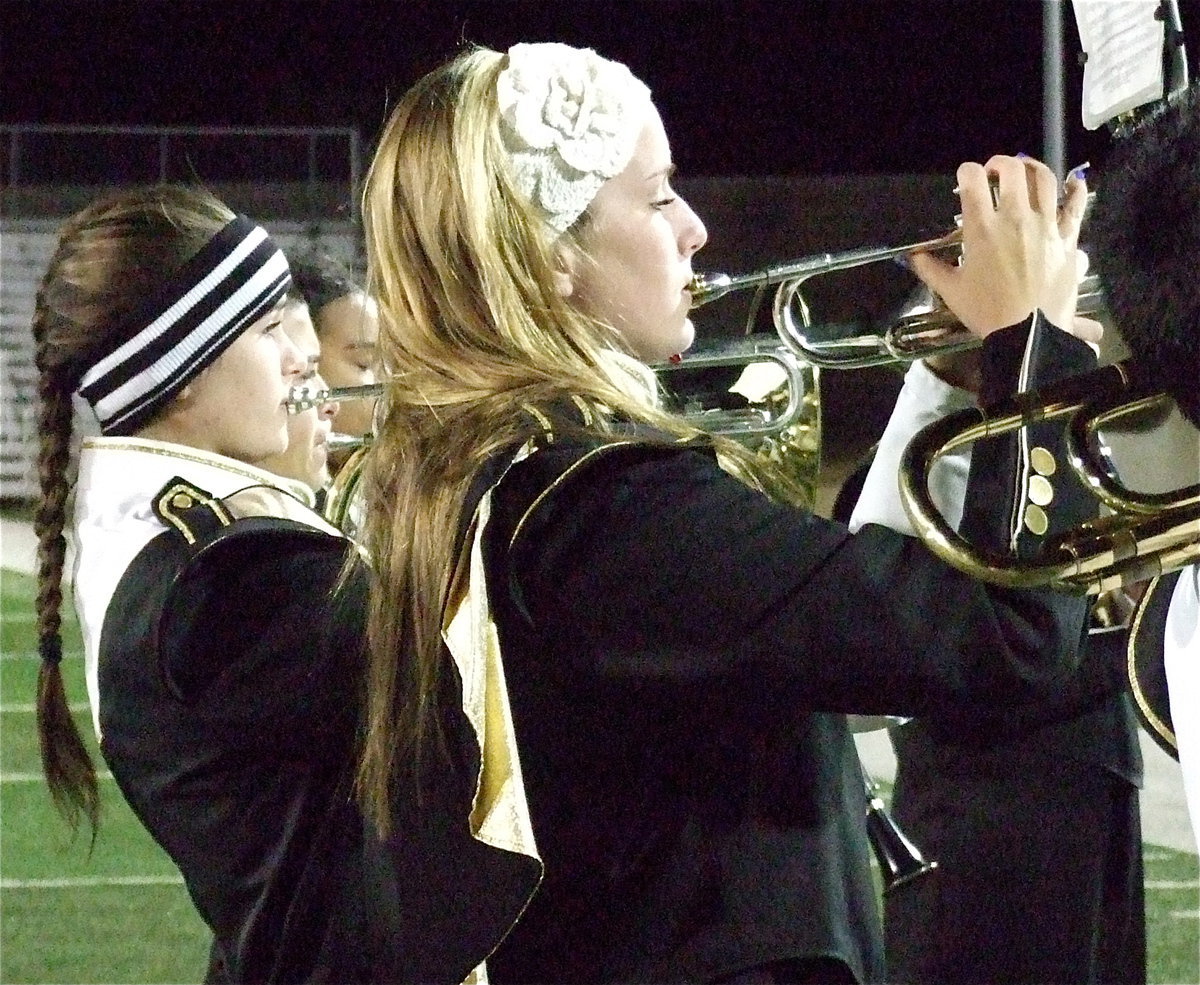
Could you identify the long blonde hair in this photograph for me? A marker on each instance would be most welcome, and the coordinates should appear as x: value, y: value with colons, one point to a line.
x: 473, y: 332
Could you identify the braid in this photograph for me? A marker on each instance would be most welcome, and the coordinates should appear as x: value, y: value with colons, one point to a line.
x: 109, y: 255
x: 70, y: 773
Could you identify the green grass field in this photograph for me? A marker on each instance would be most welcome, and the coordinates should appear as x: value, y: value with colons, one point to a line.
x: 119, y: 912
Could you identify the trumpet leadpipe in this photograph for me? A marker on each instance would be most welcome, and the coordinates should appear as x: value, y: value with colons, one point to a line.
x: 347, y: 442
x: 303, y: 397
x: 710, y: 287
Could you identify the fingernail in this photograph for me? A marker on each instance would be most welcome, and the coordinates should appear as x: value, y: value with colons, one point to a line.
x: 1079, y: 172
x: 1022, y: 154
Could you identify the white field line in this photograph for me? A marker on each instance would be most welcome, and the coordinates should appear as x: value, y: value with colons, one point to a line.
x: 1185, y: 914
x: 34, y: 655
x: 28, y: 707
x: 1172, y: 884
x: 38, y: 778
x: 80, y: 882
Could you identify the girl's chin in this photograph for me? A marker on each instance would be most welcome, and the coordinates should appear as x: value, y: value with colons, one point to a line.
x: 687, y: 334
x: 683, y: 341
x: 680, y: 342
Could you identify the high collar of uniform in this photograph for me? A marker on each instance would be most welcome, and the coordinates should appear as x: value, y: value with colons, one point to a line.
x: 132, y: 466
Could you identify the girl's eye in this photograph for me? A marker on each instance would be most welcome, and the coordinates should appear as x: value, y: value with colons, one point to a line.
x: 662, y: 203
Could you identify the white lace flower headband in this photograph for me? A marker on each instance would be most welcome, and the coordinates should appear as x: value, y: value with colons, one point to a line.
x: 569, y: 121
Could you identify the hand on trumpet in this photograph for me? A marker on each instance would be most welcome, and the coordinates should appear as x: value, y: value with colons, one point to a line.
x: 1060, y: 303
x: 1019, y: 247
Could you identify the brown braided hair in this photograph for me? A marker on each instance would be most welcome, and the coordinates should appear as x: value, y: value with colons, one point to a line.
x: 109, y: 256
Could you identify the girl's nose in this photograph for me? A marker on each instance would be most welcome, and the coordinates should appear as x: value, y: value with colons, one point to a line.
x: 295, y: 362
x: 693, y: 235
x: 327, y: 409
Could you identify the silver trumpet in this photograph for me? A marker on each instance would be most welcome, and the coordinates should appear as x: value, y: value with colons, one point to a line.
x: 303, y: 397
x: 923, y: 327
x: 766, y: 411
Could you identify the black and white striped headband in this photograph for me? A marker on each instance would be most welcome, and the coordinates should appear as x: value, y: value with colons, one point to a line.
x: 237, y: 277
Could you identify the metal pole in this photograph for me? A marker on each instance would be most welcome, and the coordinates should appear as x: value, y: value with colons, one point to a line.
x: 1053, y: 124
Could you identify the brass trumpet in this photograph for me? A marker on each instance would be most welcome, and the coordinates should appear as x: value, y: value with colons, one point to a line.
x: 755, y: 391
x: 924, y: 327
x: 1146, y: 534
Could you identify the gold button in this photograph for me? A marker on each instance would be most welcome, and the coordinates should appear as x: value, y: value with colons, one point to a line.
x: 1042, y: 461
x: 1040, y: 490
x: 1035, y: 519
x: 182, y: 501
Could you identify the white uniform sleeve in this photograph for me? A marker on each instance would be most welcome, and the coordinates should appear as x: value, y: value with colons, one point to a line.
x: 1181, y: 659
x: 924, y: 398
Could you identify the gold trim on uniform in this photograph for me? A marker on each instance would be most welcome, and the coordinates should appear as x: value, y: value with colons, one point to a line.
x: 542, y: 419
x: 558, y: 481
x: 180, y: 498
x: 585, y: 409
x: 1135, y: 685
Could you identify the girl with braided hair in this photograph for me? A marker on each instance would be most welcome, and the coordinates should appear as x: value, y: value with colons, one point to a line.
x: 222, y: 616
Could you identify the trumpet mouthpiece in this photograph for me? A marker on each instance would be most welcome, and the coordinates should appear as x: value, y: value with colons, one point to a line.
x: 709, y: 287
x: 302, y: 398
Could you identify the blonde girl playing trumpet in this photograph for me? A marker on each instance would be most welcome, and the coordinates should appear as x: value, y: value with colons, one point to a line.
x: 671, y: 641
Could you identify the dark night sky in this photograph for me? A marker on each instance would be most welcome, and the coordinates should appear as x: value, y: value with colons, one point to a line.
x: 751, y: 87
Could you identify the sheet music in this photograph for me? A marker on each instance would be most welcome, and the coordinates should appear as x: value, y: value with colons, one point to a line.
x: 1124, y: 43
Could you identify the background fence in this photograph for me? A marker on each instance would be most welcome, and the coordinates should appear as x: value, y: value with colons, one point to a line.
x: 301, y: 183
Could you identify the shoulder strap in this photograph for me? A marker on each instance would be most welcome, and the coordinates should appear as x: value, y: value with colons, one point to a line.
x: 192, y: 513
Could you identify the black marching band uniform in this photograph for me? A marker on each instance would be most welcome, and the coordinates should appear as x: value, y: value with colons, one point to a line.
x: 679, y: 687
x: 1032, y: 812
x: 685, y: 765
x: 229, y: 679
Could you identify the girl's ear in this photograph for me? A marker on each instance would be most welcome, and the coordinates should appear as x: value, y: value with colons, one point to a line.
x: 188, y: 390
x: 566, y: 260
